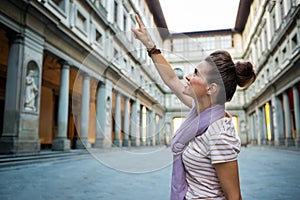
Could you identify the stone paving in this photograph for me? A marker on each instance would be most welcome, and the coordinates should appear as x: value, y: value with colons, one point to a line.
x: 143, y: 173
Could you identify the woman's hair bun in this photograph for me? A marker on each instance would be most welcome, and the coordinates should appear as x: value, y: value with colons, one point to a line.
x: 245, y: 74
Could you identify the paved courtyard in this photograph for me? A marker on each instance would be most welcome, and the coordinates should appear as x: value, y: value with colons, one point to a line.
x: 121, y: 174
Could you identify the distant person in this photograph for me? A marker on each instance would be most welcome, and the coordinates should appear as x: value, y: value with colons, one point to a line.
x: 205, y: 147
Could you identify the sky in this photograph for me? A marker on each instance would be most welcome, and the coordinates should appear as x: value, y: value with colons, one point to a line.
x: 199, y: 15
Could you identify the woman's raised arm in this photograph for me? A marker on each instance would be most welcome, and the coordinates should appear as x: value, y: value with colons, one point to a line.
x: 163, y: 67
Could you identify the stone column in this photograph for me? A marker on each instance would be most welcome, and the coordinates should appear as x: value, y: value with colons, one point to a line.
x: 84, y: 142
x: 142, y: 128
x: 297, y: 114
x: 264, y: 137
x: 271, y: 142
x: 9, y: 140
x: 278, y: 124
x: 168, y: 134
x: 126, y: 122
x: 258, y: 125
x: 117, y: 141
x: 149, y: 128
x: 287, y: 120
x: 252, y: 129
x: 157, y: 132
x: 61, y: 142
x: 103, y: 110
x: 153, y: 127
x: 135, y: 123
x: 161, y: 131
x: 256, y: 134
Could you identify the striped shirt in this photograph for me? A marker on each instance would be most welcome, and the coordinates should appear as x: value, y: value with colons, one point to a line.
x: 218, y: 144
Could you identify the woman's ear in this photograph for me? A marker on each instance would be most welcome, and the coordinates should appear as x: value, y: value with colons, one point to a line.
x: 212, y: 88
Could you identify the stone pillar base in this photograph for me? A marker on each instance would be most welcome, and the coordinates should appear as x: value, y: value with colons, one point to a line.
x: 102, y: 143
x: 83, y: 143
x: 61, y: 144
x: 117, y: 143
x: 297, y: 142
x: 289, y: 142
x: 148, y: 142
x: 263, y: 142
x: 279, y: 142
x: 142, y: 143
x: 254, y: 142
x: 126, y: 143
x: 271, y: 143
x: 14, y: 145
x: 134, y: 142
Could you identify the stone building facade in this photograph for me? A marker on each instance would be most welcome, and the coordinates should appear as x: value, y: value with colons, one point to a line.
x: 71, y: 69
x: 186, y: 50
x: 271, y: 35
x: 73, y: 76
x: 267, y: 33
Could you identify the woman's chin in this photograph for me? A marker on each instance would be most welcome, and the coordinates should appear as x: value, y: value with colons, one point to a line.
x: 186, y: 93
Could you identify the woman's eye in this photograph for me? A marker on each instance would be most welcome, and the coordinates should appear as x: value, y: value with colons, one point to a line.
x: 195, y: 71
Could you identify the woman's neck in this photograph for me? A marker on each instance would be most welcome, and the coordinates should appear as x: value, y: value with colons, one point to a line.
x: 203, y: 104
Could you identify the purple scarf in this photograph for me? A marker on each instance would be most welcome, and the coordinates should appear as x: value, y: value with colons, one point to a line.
x: 194, y: 125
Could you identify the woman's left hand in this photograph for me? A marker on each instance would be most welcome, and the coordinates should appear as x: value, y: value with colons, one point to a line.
x: 142, y: 35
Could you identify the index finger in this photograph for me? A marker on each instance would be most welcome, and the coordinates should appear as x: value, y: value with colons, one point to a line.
x: 139, y: 21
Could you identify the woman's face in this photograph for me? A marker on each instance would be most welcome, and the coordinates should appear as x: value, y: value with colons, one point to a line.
x: 196, y: 85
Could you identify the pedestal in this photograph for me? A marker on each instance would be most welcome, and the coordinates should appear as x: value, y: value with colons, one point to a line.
x: 83, y: 144
x: 61, y: 144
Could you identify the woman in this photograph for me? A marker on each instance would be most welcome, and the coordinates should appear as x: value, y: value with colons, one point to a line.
x: 205, y: 147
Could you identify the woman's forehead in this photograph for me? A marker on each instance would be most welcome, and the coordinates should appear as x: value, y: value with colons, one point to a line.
x: 203, y: 67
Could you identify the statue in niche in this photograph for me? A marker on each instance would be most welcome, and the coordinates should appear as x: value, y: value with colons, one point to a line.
x: 31, y: 92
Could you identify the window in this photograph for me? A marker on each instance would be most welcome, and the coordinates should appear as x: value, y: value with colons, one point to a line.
x: 226, y: 42
x: 81, y: 22
x: 283, y: 54
x: 276, y: 62
x: 194, y: 45
x: 178, y: 45
x: 125, y: 23
x: 115, y: 11
x: 274, y: 22
x: 266, y: 39
x: 116, y: 54
x: 282, y: 11
x: 61, y: 4
x: 294, y: 41
x: 98, y: 37
x: 208, y: 43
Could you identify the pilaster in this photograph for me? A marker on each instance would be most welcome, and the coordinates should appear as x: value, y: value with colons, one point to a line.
x: 23, y: 91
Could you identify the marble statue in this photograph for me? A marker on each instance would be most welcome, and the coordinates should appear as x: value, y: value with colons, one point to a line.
x: 31, y: 92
